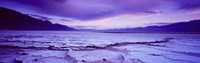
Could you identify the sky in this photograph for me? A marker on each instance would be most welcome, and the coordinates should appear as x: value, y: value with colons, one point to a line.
x: 108, y: 14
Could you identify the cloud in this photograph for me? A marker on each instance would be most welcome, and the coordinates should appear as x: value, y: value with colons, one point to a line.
x: 187, y: 4
x: 86, y: 27
x: 65, y: 20
x: 87, y: 10
x: 60, y: 1
x: 158, y: 24
x: 40, y: 17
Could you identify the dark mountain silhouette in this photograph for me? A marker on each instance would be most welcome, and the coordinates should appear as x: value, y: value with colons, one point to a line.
x: 191, y: 26
x: 13, y: 20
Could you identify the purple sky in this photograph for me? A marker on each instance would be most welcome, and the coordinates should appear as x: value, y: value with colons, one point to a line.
x: 108, y: 14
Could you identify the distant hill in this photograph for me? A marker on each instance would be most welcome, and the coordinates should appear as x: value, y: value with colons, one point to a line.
x: 13, y: 20
x: 191, y: 26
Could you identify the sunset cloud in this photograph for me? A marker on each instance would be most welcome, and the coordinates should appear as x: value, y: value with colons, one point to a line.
x: 93, y: 10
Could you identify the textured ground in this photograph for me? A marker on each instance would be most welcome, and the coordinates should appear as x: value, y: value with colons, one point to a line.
x: 86, y: 47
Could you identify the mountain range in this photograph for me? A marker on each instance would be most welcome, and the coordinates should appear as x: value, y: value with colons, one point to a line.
x: 191, y: 26
x: 13, y: 20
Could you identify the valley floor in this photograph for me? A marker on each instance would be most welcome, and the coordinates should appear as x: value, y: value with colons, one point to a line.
x: 81, y: 47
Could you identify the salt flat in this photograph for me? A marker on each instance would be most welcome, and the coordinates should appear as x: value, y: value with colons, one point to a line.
x: 93, y: 47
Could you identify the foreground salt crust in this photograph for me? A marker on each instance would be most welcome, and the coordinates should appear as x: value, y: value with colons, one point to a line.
x: 76, y: 47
